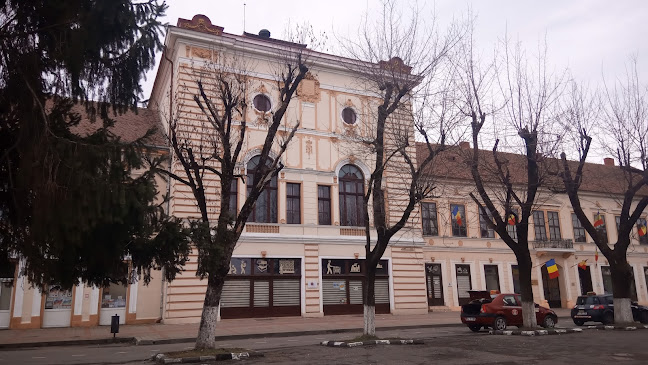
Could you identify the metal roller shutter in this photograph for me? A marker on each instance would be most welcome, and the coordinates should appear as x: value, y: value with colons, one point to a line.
x: 463, y: 285
x: 236, y: 293
x: 355, y: 291
x: 285, y: 292
x: 331, y: 291
x: 382, y: 291
x: 261, y: 293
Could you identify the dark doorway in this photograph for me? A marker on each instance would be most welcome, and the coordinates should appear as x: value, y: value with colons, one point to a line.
x: 434, y: 284
x: 585, y: 276
x: 551, y: 289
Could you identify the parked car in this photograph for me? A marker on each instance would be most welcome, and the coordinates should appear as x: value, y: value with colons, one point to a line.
x: 600, y: 308
x: 498, y: 311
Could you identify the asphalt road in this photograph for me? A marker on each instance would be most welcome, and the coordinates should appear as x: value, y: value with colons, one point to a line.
x: 447, y: 345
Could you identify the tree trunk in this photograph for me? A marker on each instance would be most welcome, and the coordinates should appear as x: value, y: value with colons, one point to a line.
x: 621, y: 276
x: 369, y: 300
x: 528, y: 304
x: 206, y: 333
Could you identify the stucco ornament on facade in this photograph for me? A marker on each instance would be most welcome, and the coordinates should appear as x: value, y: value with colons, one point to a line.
x: 309, y: 89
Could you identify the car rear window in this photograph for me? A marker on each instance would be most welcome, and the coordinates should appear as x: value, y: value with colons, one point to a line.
x: 587, y: 300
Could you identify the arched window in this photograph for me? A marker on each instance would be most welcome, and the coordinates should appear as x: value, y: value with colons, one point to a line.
x: 351, y: 193
x: 265, y: 209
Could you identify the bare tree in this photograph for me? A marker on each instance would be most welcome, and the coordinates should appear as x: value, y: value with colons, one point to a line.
x: 524, y: 104
x: 211, y: 150
x: 625, y: 116
x: 396, y: 60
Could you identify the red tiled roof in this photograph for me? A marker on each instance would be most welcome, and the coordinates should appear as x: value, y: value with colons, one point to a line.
x: 454, y: 164
x: 128, y: 126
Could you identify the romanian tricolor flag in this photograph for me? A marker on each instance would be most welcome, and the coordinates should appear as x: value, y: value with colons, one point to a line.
x: 552, y: 269
x: 598, y: 220
x: 582, y: 265
x: 457, y: 215
x: 511, y: 219
x: 641, y: 229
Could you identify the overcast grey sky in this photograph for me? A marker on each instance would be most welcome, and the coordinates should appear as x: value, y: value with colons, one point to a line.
x: 590, y: 37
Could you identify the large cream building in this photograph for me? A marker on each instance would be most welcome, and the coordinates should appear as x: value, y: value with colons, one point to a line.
x: 302, y: 252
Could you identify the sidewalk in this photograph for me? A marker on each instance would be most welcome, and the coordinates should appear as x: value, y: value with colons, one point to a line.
x: 226, y: 329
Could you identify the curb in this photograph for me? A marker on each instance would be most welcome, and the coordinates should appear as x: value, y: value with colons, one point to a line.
x: 99, y: 341
x: 618, y: 328
x: 372, y: 342
x: 166, y: 341
x: 546, y: 332
x: 162, y: 359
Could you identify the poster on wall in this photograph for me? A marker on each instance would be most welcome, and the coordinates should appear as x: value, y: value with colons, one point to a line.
x: 58, y: 298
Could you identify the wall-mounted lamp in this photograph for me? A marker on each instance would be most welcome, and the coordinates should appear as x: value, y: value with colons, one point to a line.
x: 463, y: 259
x: 356, y: 255
x: 263, y: 254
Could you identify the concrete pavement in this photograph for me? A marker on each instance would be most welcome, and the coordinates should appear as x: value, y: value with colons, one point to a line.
x: 229, y: 329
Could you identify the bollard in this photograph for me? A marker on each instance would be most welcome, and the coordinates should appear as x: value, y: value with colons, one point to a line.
x: 114, y: 325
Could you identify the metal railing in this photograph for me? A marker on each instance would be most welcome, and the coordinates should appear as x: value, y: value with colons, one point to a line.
x: 565, y: 244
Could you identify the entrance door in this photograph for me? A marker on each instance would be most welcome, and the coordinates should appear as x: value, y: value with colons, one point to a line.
x: 585, y: 277
x: 6, y: 289
x: 434, y: 284
x: 58, y: 307
x: 463, y: 284
x: 113, y: 301
x: 607, y: 282
x: 551, y: 289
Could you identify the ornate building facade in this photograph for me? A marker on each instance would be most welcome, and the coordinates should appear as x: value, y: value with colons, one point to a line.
x: 302, y: 252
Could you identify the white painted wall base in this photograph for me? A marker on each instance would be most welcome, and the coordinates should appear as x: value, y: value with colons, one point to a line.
x: 57, y: 317
x: 5, y: 318
x: 106, y: 314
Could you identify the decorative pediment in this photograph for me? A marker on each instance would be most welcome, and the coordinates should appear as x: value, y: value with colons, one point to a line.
x: 200, y: 23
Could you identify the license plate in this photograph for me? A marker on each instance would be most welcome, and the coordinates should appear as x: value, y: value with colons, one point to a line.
x: 471, y: 319
x: 582, y: 313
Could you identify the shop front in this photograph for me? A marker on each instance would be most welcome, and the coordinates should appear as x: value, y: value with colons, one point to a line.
x: 58, y: 307
x: 113, y: 302
x: 262, y: 287
x: 342, y: 284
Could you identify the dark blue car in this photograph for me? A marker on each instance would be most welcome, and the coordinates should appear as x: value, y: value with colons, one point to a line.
x: 600, y: 308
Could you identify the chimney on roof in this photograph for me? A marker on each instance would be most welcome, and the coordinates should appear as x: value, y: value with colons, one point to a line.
x: 264, y: 33
x: 608, y: 161
x: 464, y: 145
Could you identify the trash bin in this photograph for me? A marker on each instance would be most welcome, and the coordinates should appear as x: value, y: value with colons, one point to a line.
x: 114, y: 325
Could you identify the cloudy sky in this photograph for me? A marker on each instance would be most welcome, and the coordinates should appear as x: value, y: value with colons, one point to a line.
x: 591, y: 37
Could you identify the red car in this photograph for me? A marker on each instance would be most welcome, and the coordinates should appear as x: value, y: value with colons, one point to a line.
x: 500, y: 310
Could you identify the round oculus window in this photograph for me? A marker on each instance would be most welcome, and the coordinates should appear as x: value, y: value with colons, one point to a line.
x: 262, y: 103
x: 349, y: 115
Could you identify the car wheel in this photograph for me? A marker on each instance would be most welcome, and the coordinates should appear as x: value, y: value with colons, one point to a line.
x: 500, y: 324
x: 549, y: 322
x: 608, y: 318
x: 474, y: 327
x: 579, y: 322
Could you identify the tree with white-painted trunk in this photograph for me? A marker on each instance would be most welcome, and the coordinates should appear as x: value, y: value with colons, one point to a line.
x: 213, y: 147
x: 399, y: 63
x: 619, y: 116
x: 498, y: 96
